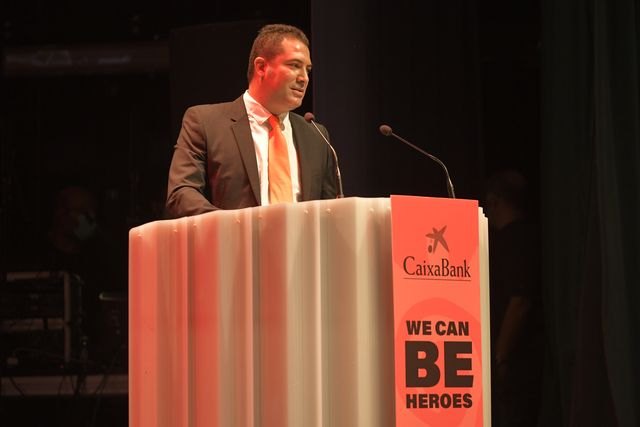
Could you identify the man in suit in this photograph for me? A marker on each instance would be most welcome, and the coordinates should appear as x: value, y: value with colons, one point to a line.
x: 222, y: 157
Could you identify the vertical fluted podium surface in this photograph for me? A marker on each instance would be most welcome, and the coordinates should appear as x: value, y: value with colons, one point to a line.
x: 271, y: 316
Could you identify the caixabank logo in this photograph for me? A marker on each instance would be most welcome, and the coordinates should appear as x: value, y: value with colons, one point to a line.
x: 435, y: 263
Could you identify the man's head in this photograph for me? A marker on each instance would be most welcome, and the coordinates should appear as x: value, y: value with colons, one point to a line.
x: 279, y: 66
x: 75, y: 214
x: 505, y: 198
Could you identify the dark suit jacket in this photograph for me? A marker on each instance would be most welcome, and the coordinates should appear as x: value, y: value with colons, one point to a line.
x: 214, y: 163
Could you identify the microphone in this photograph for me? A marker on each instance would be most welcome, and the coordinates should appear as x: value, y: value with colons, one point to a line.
x: 310, y: 118
x: 387, y: 131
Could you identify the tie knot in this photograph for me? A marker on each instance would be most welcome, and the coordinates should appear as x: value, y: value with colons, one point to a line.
x: 274, y: 122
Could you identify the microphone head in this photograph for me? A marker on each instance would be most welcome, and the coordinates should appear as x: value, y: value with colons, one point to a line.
x: 386, y: 130
x: 309, y: 117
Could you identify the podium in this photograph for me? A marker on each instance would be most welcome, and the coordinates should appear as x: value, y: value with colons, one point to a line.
x: 280, y: 315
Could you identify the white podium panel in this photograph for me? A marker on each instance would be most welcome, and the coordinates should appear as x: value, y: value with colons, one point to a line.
x: 271, y: 316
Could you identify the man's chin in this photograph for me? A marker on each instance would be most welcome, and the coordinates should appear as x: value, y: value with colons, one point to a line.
x: 295, y: 104
x: 289, y: 104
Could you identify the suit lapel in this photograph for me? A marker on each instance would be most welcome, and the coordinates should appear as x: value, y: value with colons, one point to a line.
x: 242, y: 132
x: 304, y: 155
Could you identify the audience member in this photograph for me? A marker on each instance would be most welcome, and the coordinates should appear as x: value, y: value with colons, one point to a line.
x: 76, y: 243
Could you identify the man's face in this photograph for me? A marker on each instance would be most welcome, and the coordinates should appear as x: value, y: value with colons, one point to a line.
x: 75, y: 214
x: 285, y: 77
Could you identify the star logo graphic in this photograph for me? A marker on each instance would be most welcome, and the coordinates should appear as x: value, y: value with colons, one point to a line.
x: 437, y: 237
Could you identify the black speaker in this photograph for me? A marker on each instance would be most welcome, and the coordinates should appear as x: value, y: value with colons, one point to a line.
x: 40, y: 323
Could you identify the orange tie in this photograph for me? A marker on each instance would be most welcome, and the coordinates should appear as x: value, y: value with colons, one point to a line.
x: 280, y: 189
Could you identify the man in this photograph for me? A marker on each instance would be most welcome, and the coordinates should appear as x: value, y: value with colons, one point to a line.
x: 516, y: 304
x: 76, y: 243
x: 225, y: 157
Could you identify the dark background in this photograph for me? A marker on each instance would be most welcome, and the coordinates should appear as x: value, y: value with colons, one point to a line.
x: 483, y: 85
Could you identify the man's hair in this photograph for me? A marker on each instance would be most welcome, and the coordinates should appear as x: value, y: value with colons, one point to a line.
x: 511, y: 186
x: 268, y: 43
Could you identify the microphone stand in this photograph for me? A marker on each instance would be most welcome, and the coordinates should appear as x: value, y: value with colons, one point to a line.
x: 387, y: 131
x: 310, y: 118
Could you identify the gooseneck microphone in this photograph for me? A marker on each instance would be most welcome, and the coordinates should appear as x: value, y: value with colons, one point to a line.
x: 387, y: 131
x: 309, y: 117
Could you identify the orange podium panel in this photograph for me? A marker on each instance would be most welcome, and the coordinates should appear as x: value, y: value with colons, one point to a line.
x: 441, y: 308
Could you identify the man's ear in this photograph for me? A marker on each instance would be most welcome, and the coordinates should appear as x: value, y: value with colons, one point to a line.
x: 259, y: 66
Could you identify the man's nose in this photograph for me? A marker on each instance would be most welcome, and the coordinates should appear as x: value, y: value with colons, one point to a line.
x: 303, y: 76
